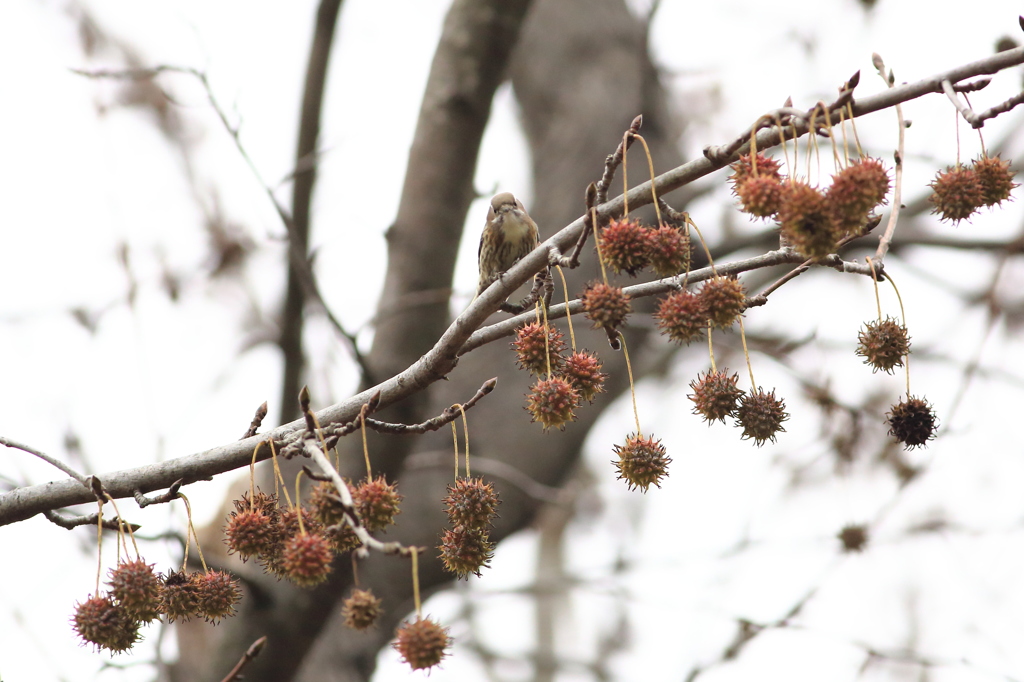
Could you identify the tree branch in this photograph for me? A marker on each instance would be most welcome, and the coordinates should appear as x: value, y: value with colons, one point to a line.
x: 459, y: 337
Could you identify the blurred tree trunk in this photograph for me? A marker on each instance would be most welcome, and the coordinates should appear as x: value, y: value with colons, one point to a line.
x: 581, y: 72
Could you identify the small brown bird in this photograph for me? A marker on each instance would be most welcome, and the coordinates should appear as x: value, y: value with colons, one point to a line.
x: 509, y: 234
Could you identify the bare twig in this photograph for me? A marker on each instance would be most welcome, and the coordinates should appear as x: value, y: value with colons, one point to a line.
x: 974, y: 118
x: 261, y: 413
x: 344, y: 497
x: 448, y: 415
x: 296, y: 253
x: 252, y: 652
x: 612, y: 163
x: 897, y: 193
x: 115, y: 523
x: 81, y: 478
x: 171, y: 494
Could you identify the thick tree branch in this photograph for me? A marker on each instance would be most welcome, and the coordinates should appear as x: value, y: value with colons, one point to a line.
x: 296, y: 292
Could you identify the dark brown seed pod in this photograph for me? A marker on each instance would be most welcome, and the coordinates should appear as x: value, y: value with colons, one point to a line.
x: 106, y: 624
x: 180, y: 596
x: 912, y: 422
x: 996, y: 180
x: 724, y: 300
x: 465, y: 550
x: 583, y: 370
x: 642, y: 462
x: 422, y: 644
x: 807, y: 220
x: 855, y: 192
x: 715, y: 395
x: 604, y: 305
x: 552, y: 402
x: 136, y: 587
x: 854, y: 537
x: 533, y: 353
x: 218, y: 592
x: 377, y: 502
x: 471, y: 503
x: 306, y: 559
x: 743, y: 169
x: 760, y: 196
x: 625, y: 246
x: 682, y: 316
x: 957, y: 193
x: 670, y: 250
x: 361, y: 610
x: 761, y: 414
x: 883, y: 344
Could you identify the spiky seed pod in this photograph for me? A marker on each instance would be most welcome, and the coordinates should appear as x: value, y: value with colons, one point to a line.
x: 854, y: 537
x: 471, y: 503
x: 250, y: 533
x: 218, y: 592
x: 724, y: 300
x: 682, y: 316
x: 531, y: 352
x: 266, y: 503
x: 361, y: 610
x: 422, y: 643
x: 642, y: 461
x: 670, y: 250
x: 583, y: 370
x: 343, y: 538
x: 377, y: 502
x: 996, y: 180
x: 761, y: 415
x: 760, y: 196
x: 135, y: 586
x: 855, y: 191
x: 912, y: 422
x: 306, y: 559
x: 625, y: 246
x: 604, y: 305
x: 807, y: 220
x: 180, y: 596
x: 957, y: 193
x: 715, y: 395
x: 324, y: 505
x: 552, y: 401
x: 465, y: 550
x: 743, y: 169
x: 272, y: 560
x: 883, y: 344
x: 106, y: 624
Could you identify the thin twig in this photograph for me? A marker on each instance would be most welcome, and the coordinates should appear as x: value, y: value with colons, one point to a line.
x: 252, y: 652
x: 115, y: 523
x: 81, y: 478
x: 613, y: 161
x: 897, y: 193
x: 171, y: 494
x: 588, y: 228
x: 344, y: 496
x: 977, y: 120
x: 298, y: 259
x: 448, y: 415
x: 257, y: 420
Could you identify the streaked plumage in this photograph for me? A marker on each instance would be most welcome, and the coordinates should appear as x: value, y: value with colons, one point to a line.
x: 508, y: 235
